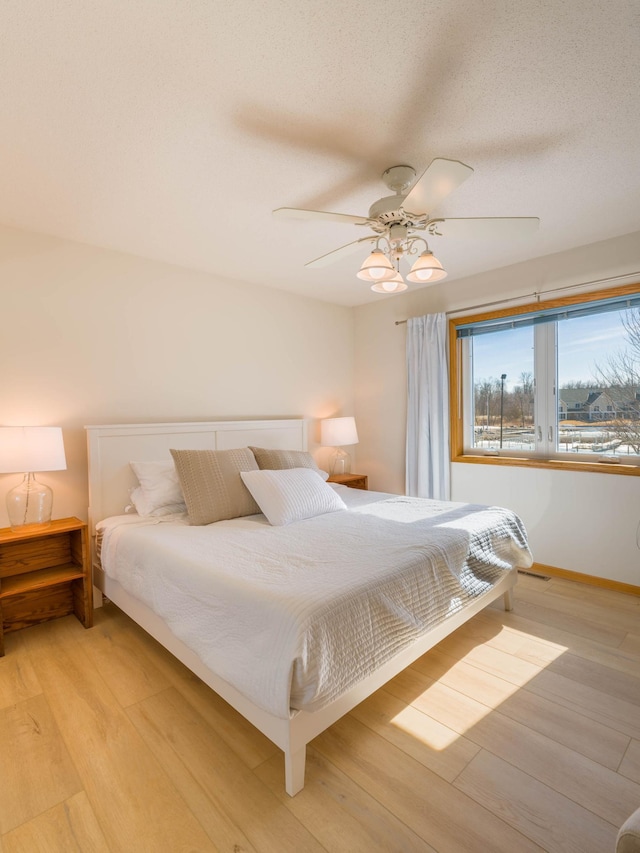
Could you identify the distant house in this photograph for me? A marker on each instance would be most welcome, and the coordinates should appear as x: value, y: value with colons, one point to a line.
x: 600, y: 406
x: 572, y: 402
x: 597, y: 404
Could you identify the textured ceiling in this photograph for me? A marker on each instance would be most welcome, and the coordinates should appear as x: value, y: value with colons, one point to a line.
x: 171, y: 129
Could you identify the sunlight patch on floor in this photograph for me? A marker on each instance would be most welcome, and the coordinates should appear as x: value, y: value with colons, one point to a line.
x: 492, y: 671
x: 425, y: 729
x: 531, y: 638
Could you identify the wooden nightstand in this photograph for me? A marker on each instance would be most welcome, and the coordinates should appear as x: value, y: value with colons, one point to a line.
x: 354, y: 481
x: 44, y: 574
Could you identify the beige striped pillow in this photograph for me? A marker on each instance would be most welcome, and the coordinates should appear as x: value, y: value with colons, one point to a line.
x: 211, y: 484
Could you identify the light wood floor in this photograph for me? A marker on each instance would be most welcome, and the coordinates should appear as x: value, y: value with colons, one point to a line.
x: 519, y: 732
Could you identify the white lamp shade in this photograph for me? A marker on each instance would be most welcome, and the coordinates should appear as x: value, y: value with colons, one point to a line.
x: 377, y: 267
x: 394, y: 285
x: 426, y: 269
x: 31, y: 449
x: 337, y: 432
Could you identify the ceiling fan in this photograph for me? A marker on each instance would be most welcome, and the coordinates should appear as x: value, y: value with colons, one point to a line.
x: 398, y: 220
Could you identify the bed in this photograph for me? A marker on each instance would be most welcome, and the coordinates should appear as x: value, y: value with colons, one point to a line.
x: 292, y: 624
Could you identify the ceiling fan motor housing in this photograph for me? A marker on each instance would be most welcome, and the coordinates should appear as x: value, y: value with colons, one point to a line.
x: 388, y: 211
x: 397, y: 233
x: 388, y: 208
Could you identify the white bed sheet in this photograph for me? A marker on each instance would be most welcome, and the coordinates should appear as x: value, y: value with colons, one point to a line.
x: 293, y: 616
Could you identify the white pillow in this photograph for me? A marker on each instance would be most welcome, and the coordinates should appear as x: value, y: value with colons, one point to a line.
x: 291, y: 494
x: 159, y: 492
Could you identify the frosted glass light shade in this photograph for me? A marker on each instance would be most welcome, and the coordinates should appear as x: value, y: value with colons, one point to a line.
x: 377, y: 267
x: 426, y: 269
x: 394, y: 285
x: 336, y: 432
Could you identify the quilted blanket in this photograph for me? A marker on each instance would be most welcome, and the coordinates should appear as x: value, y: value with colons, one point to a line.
x: 293, y: 616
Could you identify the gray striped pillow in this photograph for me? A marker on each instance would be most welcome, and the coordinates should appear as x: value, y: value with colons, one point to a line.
x: 278, y: 460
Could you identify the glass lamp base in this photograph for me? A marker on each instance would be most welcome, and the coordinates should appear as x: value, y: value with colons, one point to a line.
x: 29, y: 503
x: 341, y: 462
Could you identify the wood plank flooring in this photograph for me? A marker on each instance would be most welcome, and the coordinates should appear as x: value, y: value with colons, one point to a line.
x: 521, y: 731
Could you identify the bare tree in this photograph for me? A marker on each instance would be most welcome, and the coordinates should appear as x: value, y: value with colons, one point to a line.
x: 484, y: 394
x: 579, y: 384
x: 522, y: 396
x: 487, y: 401
x: 619, y: 377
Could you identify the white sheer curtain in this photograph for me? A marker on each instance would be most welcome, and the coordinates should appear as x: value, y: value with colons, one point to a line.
x: 427, y: 462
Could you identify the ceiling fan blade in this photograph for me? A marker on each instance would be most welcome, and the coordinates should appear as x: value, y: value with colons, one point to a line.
x: 299, y: 213
x: 336, y: 254
x: 441, y: 178
x: 485, y: 228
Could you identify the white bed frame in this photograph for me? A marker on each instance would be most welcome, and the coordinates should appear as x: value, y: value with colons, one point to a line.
x: 111, y: 448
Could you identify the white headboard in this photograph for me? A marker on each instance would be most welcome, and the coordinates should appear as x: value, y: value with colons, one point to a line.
x: 111, y: 448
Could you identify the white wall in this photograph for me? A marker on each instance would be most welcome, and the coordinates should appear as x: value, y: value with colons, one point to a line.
x: 93, y: 336
x: 578, y: 521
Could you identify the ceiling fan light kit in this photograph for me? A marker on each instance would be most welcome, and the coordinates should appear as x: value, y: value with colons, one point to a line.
x: 426, y: 270
x: 396, y: 219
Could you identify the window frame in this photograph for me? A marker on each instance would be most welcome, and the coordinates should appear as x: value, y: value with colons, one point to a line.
x: 459, y: 386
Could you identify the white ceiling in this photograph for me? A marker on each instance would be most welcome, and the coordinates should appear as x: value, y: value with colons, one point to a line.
x: 171, y: 129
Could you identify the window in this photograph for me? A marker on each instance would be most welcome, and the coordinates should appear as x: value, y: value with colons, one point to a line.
x: 553, y: 383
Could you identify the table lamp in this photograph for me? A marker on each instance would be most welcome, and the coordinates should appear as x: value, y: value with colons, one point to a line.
x: 338, y: 432
x: 25, y: 450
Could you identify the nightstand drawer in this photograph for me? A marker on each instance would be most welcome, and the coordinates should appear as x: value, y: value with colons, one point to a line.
x: 354, y: 481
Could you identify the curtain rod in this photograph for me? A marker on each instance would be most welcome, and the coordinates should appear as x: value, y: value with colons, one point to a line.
x: 536, y: 295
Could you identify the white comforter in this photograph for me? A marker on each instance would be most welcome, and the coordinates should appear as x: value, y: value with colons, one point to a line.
x: 293, y: 616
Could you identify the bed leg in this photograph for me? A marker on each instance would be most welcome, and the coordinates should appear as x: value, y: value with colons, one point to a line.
x: 508, y: 600
x: 294, y: 771
x: 97, y: 598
